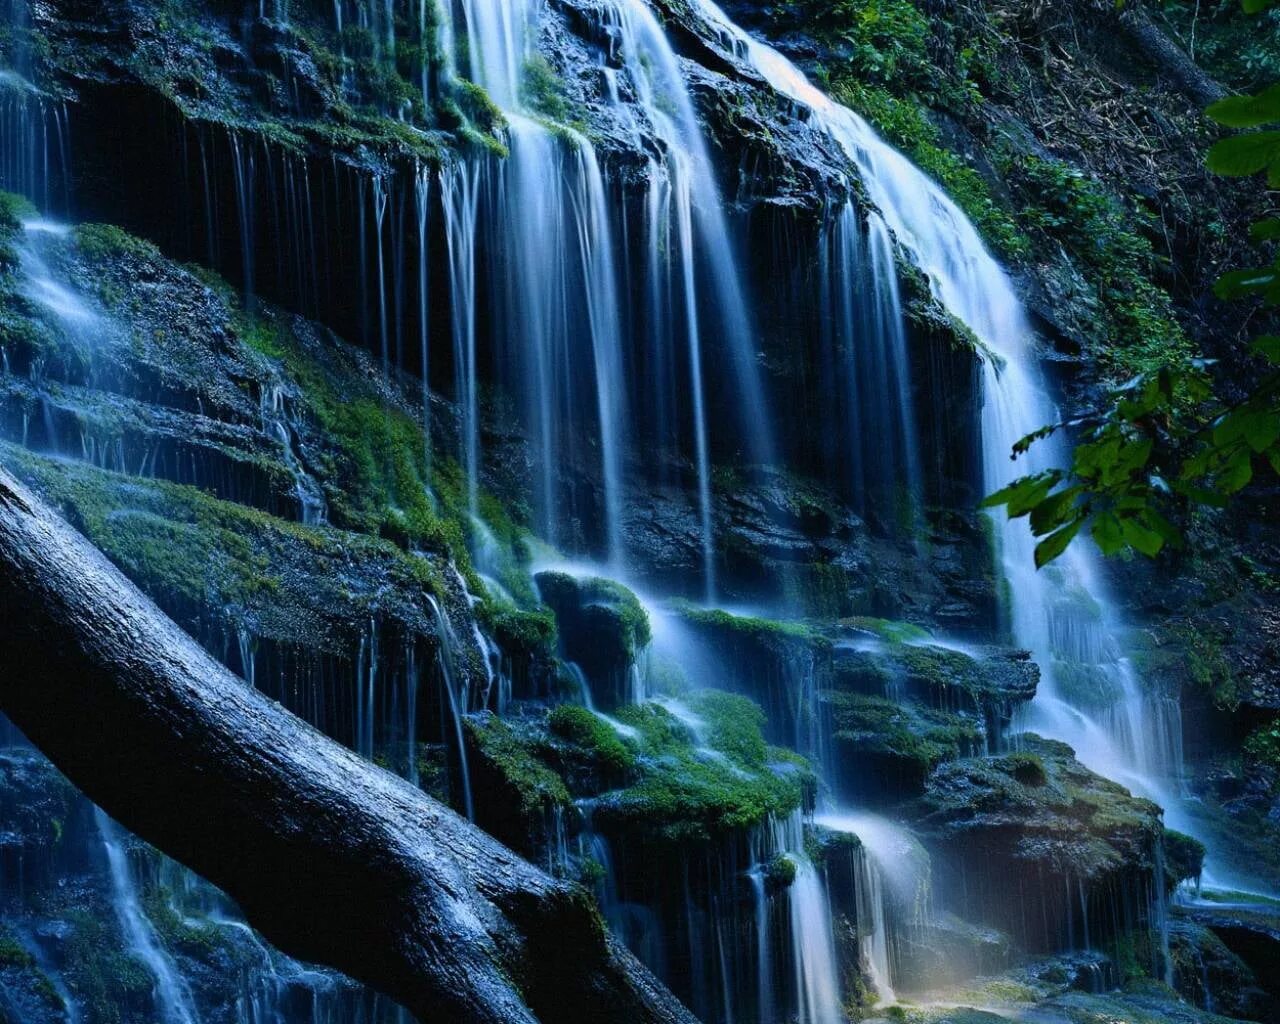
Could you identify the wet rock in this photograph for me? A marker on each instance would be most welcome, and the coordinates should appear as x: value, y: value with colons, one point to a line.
x: 1208, y: 974
x: 1251, y: 932
x: 602, y: 629
x: 1040, y: 846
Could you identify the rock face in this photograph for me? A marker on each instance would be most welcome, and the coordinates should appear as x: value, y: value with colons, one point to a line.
x: 603, y: 631
x: 1045, y: 848
x: 363, y: 551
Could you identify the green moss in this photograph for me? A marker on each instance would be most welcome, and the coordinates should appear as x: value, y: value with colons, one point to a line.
x: 543, y: 90
x: 748, y: 627
x: 602, y: 626
x: 477, y: 106
x: 1183, y: 858
x: 111, y: 985
x: 1027, y: 768
x: 13, y: 953
x: 513, y: 759
x: 886, y: 629
x: 734, y: 726
x: 691, y: 793
x: 101, y: 242
x: 595, y: 738
x: 201, y: 940
x: 916, y: 737
x: 781, y: 872
x: 519, y: 632
x: 14, y: 209
x: 177, y: 542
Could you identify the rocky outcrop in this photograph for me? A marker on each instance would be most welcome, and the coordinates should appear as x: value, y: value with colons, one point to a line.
x: 1039, y: 845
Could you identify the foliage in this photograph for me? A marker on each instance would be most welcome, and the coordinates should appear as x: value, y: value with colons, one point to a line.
x: 1077, y: 212
x: 593, y: 735
x: 694, y: 789
x: 1263, y: 746
x: 1169, y: 441
x: 101, y: 242
x: 1241, y: 52
x: 905, y: 123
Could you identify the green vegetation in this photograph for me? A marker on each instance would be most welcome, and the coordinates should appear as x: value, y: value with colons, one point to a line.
x: 906, y: 123
x: 100, y: 242
x: 912, y: 737
x: 531, y: 787
x: 886, y: 629
x: 1114, y: 243
x: 13, y: 953
x: 177, y: 542
x: 1183, y: 858
x: 1169, y: 441
x: 595, y: 738
x: 689, y: 793
x: 751, y: 628
x: 1242, y: 53
x: 1263, y: 745
x: 111, y: 984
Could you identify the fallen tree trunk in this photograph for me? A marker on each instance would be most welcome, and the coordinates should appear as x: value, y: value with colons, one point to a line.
x: 331, y: 858
x: 1157, y: 46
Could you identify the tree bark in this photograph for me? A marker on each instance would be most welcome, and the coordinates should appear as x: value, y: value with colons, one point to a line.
x: 1156, y: 45
x: 334, y: 860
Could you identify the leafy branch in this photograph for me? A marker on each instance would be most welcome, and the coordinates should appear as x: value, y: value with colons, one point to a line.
x: 1166, y: 441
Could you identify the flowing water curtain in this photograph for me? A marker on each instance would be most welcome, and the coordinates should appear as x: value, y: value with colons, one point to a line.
x: 866, y: 370
x: 35, y: 150
x: 971, y: 285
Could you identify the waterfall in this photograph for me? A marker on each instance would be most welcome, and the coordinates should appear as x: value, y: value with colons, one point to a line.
x: 422, y: 196
x: 456, y: 696
x: 34, y: 130
x: 688, y: 229
x: 173, y: 999
x: 813, y: 955
x: 1063, y: 614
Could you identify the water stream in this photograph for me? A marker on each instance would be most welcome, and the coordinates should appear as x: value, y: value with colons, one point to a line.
x: 1063, y: 616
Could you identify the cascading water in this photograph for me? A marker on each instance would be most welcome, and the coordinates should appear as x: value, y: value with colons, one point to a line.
x: 1062, y: 615
x: 687, y: 227
x: 173, y: 999
x: 456, y: 697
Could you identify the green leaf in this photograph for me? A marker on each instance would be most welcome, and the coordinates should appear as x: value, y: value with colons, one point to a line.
x: 1266, y: 230
x: 1024, y: 494
x: 1151, y: 518
x: 1053, y: 511
x: 1261, y: 429
x: 1268, y: 346
x: 1241, y: 284
x: 1248, y: 111
x: 1139, y: 536
x: 1056, y: 543
x: 1243, y: 155
x: 1107, y: 533
x: 1238, y: 473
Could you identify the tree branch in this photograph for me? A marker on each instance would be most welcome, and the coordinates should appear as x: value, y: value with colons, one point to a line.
x: 334, y: 860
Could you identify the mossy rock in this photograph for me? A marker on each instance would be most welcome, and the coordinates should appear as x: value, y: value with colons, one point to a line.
x: 769, y: 661
x: 1042, y: 843
x: 516, y: 794
x: 602, y: 628
x: 885, y: 749
x: 706, y: 775
x: 591, y: 747
x: 1183, y: 858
